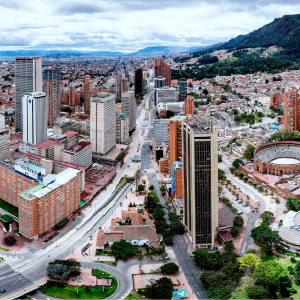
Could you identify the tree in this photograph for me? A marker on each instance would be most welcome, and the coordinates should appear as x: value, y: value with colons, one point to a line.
x: 168, y: 240
x: 268, y: 273
x: 249, y: 260
x: 163, y: 189
x: 249, y: 152
x: 172, y: 215
x: 58, y: 272
x: 260, y: 114
x: 177, y: 227
x: 232, y: 169
x: 9, y: 240
x: 219, y: 158
x: 208, y: 260
x: 123, y: 249
x: 161, y: 225
x: 151, y: 201
x: 221, y: 174
x: 293, y: 203
x: 141, y: 188
x: 264, y: 237
x: 151, y: 187
x: 235, y: 231
x: 170, y: 114
x: 237, y: 162
x: 169, y: 268
x: 158, y: 213
x: 267, y: 216
x: 297, y: 274
x: 238, y: 221
x: 161, y: 289
x: 229, y: 247
x: 72, y: 265
x: 257, y: 292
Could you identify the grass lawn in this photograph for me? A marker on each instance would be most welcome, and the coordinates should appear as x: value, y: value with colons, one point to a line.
x: 9, y: 208
x: 64, y: 291
x: 4, y: 249
x: 109, y: 263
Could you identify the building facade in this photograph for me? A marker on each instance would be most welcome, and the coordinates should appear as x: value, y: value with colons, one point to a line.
x: 103, y: 123
x: 164, y: 70
x: 165, y: 95
x: 129, y: 108
x: 182, y: 89
x: 189, y: 106
x: 200, y: 179
x: 4, y: 144
x: 291, y: 110
x: 51, y: 86
x: 121, y: 86
x: 79, y: 155
x: 122, y: 128
x: 87, y: 93
x: 28, y: 78
x: 34, y: 121
x: 138, y: 82
x: 159, y: 82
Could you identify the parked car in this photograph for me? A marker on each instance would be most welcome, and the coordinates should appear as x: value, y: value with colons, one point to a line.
x: 240, y: 201
x: 240, y: 213
x: 2, y: 291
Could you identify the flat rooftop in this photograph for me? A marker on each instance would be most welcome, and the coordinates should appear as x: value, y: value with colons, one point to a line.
x: 77, y: 148
x: 30, y: 166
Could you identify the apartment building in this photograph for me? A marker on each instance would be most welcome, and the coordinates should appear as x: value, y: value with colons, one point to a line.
x: 4, y: 144
x: 291, y: 109
x: 129, y: 108
x: 79, y: 155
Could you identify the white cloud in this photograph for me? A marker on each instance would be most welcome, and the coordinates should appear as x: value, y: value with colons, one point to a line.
x: 131, y: 25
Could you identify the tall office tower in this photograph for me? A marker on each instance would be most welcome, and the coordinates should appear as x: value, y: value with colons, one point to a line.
x: 138, y: 81
x: 28, y: 79
x: 164, y: 70
x: 129, y: 107
x: 121, y: 86
x: 182, y: 89
x: 200, y: 179
x: 72, y: 95
x: 51, y: 86
x: 291, y: 110
x: 34, y: 121
x: 175, y: 139
x: 103, y: 123
x: 277, y: 100
x: 87, y: 93
x: 189, y: 106
x: 122, y: 128
x: 159, y: 82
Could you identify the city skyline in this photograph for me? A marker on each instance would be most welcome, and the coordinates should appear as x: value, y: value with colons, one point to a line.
x: 126, y: 26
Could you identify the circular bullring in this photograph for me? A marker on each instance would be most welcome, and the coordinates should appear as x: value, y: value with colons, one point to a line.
x: 280, y: 158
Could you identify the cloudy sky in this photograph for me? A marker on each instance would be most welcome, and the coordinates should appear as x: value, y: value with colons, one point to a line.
x: 128, y: 25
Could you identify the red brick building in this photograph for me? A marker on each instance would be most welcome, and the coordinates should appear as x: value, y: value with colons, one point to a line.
x: 164, y: 70
x: 291, y: 110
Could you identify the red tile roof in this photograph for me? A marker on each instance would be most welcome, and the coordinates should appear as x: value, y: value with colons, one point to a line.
x: 47, y: 144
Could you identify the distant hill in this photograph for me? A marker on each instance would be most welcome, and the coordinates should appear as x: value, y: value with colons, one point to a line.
x: 283, y: 32
x: 160, y: 50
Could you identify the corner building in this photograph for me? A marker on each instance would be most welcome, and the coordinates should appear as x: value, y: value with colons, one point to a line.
x: 200, y: 180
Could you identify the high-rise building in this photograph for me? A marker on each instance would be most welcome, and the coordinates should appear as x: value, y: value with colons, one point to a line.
x: 103, y: 123
x: 51, y: 86
x: 182, y: 89
x: 122, y: 128
x: 200, y: 179
x: 28, y: 79
x: 121, y: 86
x: 176, y: 177
x: 175, y: 139
x: 291, y: 110
x: 189, y: 105
x: 4, y: 144
x: 129, y: 108
x: 138, y: 81
x: 159, y: 82
x: 164, y: 70
x: 72, y: 95
x: 34, y: 121
x: 87, y: 91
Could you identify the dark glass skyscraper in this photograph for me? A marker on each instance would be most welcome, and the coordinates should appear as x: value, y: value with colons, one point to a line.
x: 138, y: 83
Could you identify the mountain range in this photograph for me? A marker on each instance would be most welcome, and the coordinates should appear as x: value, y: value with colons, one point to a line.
x: 149, y: 51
